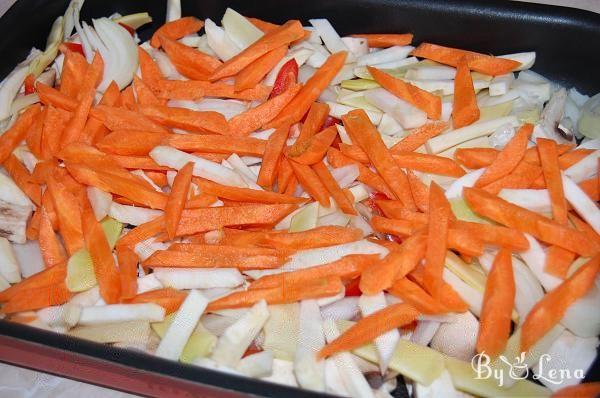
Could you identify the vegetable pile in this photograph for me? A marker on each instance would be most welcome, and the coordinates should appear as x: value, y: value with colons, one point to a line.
x: 280, y: 202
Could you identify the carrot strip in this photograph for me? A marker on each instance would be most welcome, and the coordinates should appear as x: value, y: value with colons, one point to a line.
x: 11, y: 138
x: 383, y: 40
x: 72, y: 73
x: 497, y: 307
x: 584, y: 227
x: 245, y: 194
x: 345, y: 204
x: 272, y: 156
x: 142, y: 232
x: 33, y: 226
x: 316, y: 288
x: 85, y: 99
x: 452, y: 301
x: 158, y: 177
x: 424, y: 100
x: 591, y: 188
x: 419, y: 191
x: 311, y: 183
x: 131, y: 142
x: 413, y: 294
x: 550, y: 309
x: 122, y: 119
x: 35, y: 299
x: 437, y: 233
x: 46, y: 277
x: 217, y: 144
x: 476, y: 158
x: 312, y: 89
x: 314, y: 148
x: 290, y: 189
x: 254, y: 118
x: 570, y: 158
x: 137, y: 162
x: 94, y: 129
x: 365, y: 175
x: 177, y: 198
x: 128, y: 268
x: 252, y: 74
x: 284, y: 174
x: 370, y: 327
x: 168, y: 298
x: 482, y: 63
x: 584, y: 390
x: 558, y: 261
x: 68, y: 212
x: 187, y: 119
x: 51, y: 96
x: 362, y: 132
x: 396, y: 265
x: 394, y: 227
x: 280, y: 36
x: 508, y: 158
x: 431, y: 164
x: 151, y: 73
x: 394, y: 209
x: 315, y: 118
x: 495, y: 235
x: 196, y: 89
x: 189, y: 61
x: 465, y: 110
x: 328, y: 235
x: 23, y: 179
x: 523, y: 176
x: 419, y: 136
x: 354, y: 152
x: 200, y: 201
x: 127, y: 99
x: 528, y: 221
x: 176, y: 29
x: 549, y: 159
x: 268, y: 26
x: 33, y: 139
x: 145, y: 96
x: 207, y: 219
x: 105, y: 268
x: 52, y: 251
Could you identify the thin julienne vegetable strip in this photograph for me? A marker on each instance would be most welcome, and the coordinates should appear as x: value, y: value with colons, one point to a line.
x: 271, y: 158
x: 476, y: 158
x: 527, y: 221
x: 591, y: 188
x: 51, y: 96
x: 328, y: 235
x: 495, y: 234
x: 394, y: 227
x: 127, y: 99
x: 362, y: 132
x: 419, y: 137
x: 11, y: 138
x: 200, y: 201
x: 46, y: 277
x: 481, y: 63
x: 497, y: 307
x: 168, y: 298
x: 137, y: 162
x: 176, y: 29
x: 312, y: 89
x: 122, y: 119
x: 72, y: 73
x: 584, y: 227
x: 427, y: 163
x: 128, y: 268
x: 370, y: 327
x: 346, y: 268
x: 427, y: 102
x: 52, y: 251
x: 20, y: 175
x: 33, y: 139
x: 396, y: 265
x: 132, y: 142
x: 151, y: 73
x: 94, y: 129
x: 266, y: 27
x: 68, y: 211
x: 550, y: 309
x: 419, y: 191
x: 452, y: 300
x: 142, y: 232
x: 292, y: 184
x: 523, y: 176
x: 144, y: 95
x: 282, y: 35
x: 558, y: 261
x: 187, y: 119
x: 549, y: 160
x: 177, y: 198
x: 383, y: 40
x: 413, y: 294
x: 189, y: 61
x: 354, y: 152
x: 48, y: 205
x: 315, y: 118
x: 55, y: 121
x: 464, y: 110
x: 311, y: 183
x: 333, y: 188
x: 254, y: 118
x: 292, y: 292
x: 245, y: 194
x: 284, y: 174
x: 394, y: 209
x: 313, y: 149
x: 437, y: 232
x: 35, y: 299
x: 568, y: 159
x: 365, y: 175
x: 508, y: 158
x: 196, y: 89
x: 252, y: 74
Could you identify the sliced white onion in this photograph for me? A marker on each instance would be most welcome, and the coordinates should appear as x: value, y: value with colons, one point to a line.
x: 345, y: 309
x: 470, y: 295
x: 434, y: 72
x: 131, y: 214
x: 385, y: 343
x: 585, y: 168
x: 10, y: 87
x: 309, y: 372
x: 173, y: 10
x: 197, y: 278
x: 330, y: 37
x: 458, y: 339
x: 101, y: 202
x: 147, y: 283
x: 455, y: 190
x: 219, y: 42
x: 390, y: 54
x: 537, y: 200
x: 121, y: 313
x: 405, y: 113
x: 527, y: 59
x: 583, y: 204
x: 66, y: 315
x: 241, y: 31
x: 583, y: 318
x: 535, y: 258
x: 257, y: 365
x: 9, y: 267
x: 424, y: 332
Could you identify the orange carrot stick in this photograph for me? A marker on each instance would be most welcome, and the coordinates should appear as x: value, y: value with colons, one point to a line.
x: 333, y: 188
x: 196, y: 89
x: 217, y: 144
x: 370, y: 327
x: 245, y: 194
x: 142, y: 232
x: 482, y: 63
x: 122, y: 119
x: 328, y: 235
x: 591, y: 188
x: 38, y: 298
x: 128, y: 268
x: 94, y: 129
x: 362, y: 132
x: 272, y: 156
x: 187, y: 119
x: 354, y: 152
x: 311, y: 183
x: 558, y: 261
x: 23, y: 179
x: 414, y: 295
x: 383, y: 40
x: 584, y: 390
x: 437, y: 232
x: 281, y: 36
x: 428, y: 164
x: 151, y: 73
x: 523, y: 176
x: 127, y: 99
x: 33, y: 139
x: 11, y: 138
x: 51, y: 249
x: 508, y: 158
x: 317, y: 288
x: 145, y: 96
x: 396, y: 265
x: 51, y: 96
x: 252, y: 74
x: 465, y: 110
x: 394, y: 227
x: 189, y: 61
x: 297, y: 108
x: 72, y: 73
x: 68, y: 212
x: 427, y: 102
x: 177, y: 198
x: 365, y: 175
x: 314, y: 121
x: 419, y: 136
x: 495, y: 234
x: 85, y: 99
x: 314, y: 148
x: 498, y: 303
x: 550, y: 309
x: 419, y: 191
x: 46, y: 277
x: 168, y: 298
x: 549, y: 159
x: 176, y: 29
x: 284, y: 174
x: 130, y: 142
x: 254, y: 118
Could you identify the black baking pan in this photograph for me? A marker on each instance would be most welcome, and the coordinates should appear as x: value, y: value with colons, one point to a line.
x: 567, y: 43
